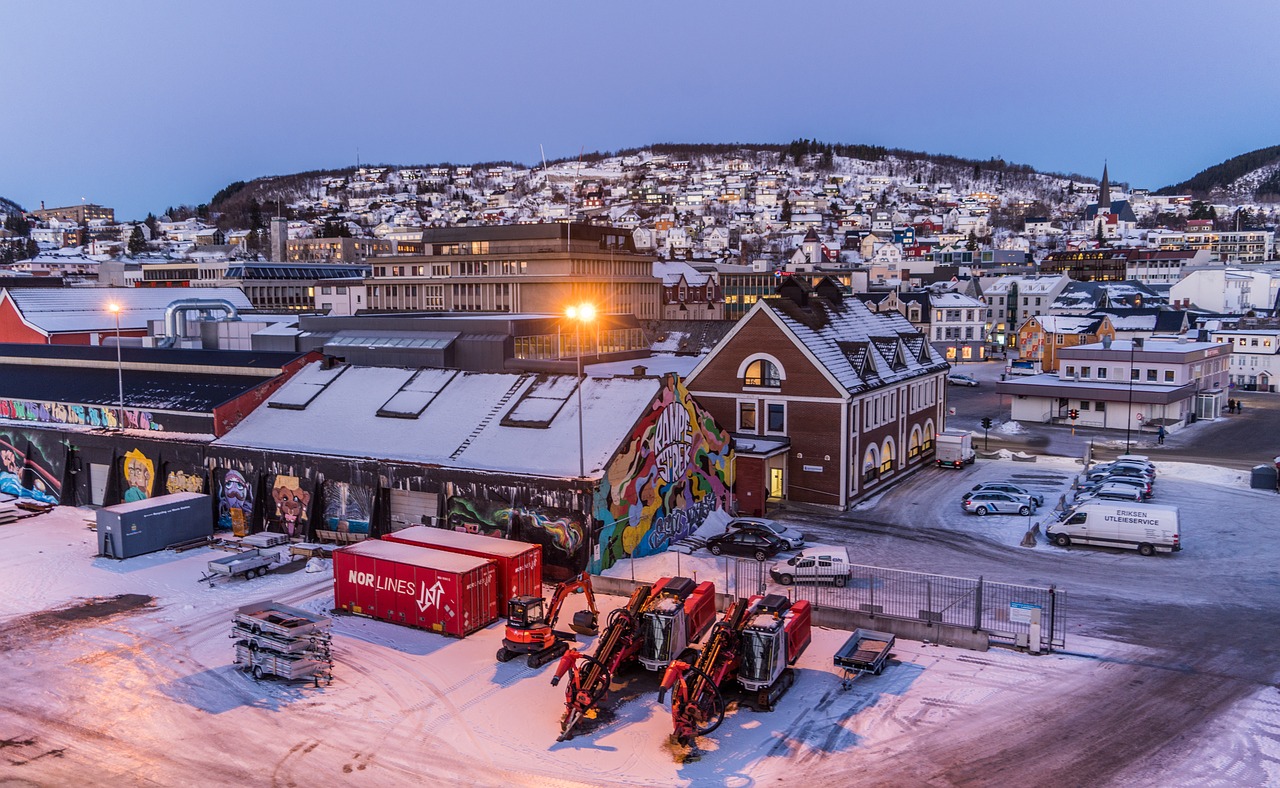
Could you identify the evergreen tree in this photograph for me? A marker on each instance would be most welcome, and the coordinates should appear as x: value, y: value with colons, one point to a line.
x: 152, y: 224
x: 786, y: 211
x: 972, y: 243
x: 137, y: 243
x: 32, y: 250
x: 255, y: 214
x: 253, y: 241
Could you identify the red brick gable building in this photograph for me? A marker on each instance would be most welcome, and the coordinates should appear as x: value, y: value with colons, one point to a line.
x: 828, y: 401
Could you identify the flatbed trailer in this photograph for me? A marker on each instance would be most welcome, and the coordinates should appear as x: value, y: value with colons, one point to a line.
x: 866, y: 651
x: 250, y: 563
x: 274, y: 618
x: 286, y: 666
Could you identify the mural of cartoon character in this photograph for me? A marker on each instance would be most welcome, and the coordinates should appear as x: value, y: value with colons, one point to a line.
x: 12, y: 463
x: 138, y: 472
x: 675, y: 469
x: 235, y: 503
x: 291, y: 505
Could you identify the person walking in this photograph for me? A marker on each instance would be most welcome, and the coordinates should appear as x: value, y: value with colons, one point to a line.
x: 1231, y: 406
x: 1160, y: 435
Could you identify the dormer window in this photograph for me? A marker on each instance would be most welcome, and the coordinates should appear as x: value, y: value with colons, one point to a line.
x: 762, y: 373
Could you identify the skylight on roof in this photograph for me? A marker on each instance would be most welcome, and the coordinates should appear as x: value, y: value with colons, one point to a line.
x: 541, y: 402
x: 416, y: 394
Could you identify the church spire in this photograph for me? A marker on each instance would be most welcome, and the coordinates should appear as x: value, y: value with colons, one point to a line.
x: 1104, y: 190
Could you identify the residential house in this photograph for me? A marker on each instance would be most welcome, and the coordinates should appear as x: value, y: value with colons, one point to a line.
x: 1255, y: 357
x: 1041, y: 337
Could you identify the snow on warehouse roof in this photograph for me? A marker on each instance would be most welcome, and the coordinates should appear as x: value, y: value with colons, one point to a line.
x: 414, y: 555
x: 441, y: 537
x: 467, y: 424
x: 86, y: 308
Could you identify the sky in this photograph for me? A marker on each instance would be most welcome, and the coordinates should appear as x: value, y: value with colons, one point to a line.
x: 143, y: 105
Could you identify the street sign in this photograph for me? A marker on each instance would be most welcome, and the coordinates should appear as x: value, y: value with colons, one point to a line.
x: 1139, y: 417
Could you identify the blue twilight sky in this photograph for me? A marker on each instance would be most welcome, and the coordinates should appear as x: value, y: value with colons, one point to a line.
x: 142, y: 105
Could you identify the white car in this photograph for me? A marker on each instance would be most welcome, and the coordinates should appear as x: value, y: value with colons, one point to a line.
x: 791, y: 536
x: 959, y: 379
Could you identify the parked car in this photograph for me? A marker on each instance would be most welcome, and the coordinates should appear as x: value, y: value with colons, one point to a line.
x: 1111, y: 491
x: 1102, y: 471
x: 1009, y: 488
x: 793, y: 538
x: 824, y: 565
x: 754, y: 543
x: 960, y: 379
x: 994, y: 501
x: 1141, y: 485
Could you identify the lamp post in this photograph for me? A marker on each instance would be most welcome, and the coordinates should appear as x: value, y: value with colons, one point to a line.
x: 582, y: 313
x: 1134, y: 344
x: 115, y: 310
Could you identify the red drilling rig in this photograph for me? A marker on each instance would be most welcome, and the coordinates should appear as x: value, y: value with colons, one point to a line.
x: 657, y: 625
x: 753, y: 643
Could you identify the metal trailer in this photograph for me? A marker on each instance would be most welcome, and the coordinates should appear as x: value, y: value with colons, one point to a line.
x: 285, y: 621
x: 865, y: 651
x: 262, y: 663
x: 259, y: 641
x: 250, y: 563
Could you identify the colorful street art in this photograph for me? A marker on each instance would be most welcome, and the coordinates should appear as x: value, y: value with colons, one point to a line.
x: 292, y: 501
x: 235, y: 503
x: 181, y: 481
x: 89, y: 415
x: 139, y: 471
x: 30, y: 472
x: 676, y: 468
x: 554, y: 529
x: 347, y: 510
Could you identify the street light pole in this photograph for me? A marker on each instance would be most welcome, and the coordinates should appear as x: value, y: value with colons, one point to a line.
x: 1134, y: 344
x: 115, y: 310
x: 580, y: 314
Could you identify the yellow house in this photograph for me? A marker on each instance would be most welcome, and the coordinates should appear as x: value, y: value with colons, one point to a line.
x: 1042, y: 336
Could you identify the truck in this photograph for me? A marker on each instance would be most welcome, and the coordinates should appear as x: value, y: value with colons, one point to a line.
x: 954, y: 449
x: 250, y: 563
x: 1146, y: 527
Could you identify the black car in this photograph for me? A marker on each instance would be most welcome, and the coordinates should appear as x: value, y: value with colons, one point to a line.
x: 756, y: 543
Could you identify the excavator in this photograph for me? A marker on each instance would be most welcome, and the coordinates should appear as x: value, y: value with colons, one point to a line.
x: 753, y: 643
x: 657, y: 625
x: 531, y: 623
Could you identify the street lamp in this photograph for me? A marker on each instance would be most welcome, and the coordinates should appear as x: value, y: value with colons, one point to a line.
x: 582, y: 313
x: 1134, y: 344
x: 114, y: 309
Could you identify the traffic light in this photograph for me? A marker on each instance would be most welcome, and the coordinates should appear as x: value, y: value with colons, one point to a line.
x: 986, y: 422
x: 1074, y: 414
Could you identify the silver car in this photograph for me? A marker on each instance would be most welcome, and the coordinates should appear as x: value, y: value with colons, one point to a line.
x: 993, y: 501
x: 1010, y: 488
x: 791, y: 536
x: 1111, y: 491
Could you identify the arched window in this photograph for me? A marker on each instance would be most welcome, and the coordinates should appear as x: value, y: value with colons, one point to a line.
x: 886, y: 456
x: 762, y: 372
x: 871, y: 464
x: 928, y: 436
x: 913, y: 448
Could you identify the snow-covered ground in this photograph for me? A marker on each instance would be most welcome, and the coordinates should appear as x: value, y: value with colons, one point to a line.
x: 151, y: 697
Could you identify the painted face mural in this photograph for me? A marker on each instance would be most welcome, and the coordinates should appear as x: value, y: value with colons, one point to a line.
x: 291, y: 505
x: 235, y: 503
x: 676, y: 468
x: 40, y: 482
x: 138, y: 473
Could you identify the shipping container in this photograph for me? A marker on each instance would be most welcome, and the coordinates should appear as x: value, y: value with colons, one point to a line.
x: 152, y: 524
x: 519, y: 563
x: 417, y: 586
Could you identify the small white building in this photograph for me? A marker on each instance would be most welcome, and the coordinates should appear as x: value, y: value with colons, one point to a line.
x: 1127, y: 385
x: 1226, y: 290
x: 1255, y: 357
x: 959, y: 326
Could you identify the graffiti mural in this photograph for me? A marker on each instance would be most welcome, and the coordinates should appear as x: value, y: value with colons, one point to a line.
x: 292, y: 501
x: 676, y: 468
x: 235, y: 503
x: 139, y: 472
x: 561, y: 535
x: 347, y: 511
x: 28, y: 471
x: 181, y: 481
x: 88, y: 415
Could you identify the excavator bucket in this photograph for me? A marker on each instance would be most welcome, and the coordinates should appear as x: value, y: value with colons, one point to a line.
x: 585, y: 622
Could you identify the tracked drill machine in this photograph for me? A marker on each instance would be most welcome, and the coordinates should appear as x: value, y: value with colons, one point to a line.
x: 753, y: 643
x: 657, y: 625
x: 531, y: 623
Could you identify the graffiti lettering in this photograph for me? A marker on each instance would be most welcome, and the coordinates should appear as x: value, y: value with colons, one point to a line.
x: 60, y: 413
x: 671, y: 442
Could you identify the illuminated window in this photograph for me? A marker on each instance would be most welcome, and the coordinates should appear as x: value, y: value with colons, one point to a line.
x: 762, y: 373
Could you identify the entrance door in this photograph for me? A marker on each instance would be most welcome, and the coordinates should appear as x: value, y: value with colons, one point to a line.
x: 775, y: 483
x: 98, y: 474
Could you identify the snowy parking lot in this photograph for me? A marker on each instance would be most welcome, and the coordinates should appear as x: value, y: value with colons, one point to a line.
x: 140, y: 689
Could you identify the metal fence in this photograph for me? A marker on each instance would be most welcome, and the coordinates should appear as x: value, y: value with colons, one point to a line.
x: 1003, y: 610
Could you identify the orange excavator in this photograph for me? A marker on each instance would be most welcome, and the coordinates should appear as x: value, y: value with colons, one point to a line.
x: 531, y: 623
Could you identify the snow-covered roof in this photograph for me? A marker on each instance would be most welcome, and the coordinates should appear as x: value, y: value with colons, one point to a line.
x: 954, y: 301
x: 61, y: 309
x: 1067, y: 324
x: 500, y: 422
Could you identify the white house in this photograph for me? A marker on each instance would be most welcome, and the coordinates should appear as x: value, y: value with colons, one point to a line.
x: 1255, y: 357
x: 1226, y: 290
x: 959, y: 326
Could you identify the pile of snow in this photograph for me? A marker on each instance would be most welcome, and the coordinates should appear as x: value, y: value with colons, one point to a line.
x: 317, y: 565
x: 1010, y: 428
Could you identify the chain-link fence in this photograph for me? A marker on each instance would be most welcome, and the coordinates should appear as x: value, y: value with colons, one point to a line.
x: 1004, y: 611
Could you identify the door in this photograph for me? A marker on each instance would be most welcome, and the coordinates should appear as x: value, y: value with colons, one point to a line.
x: 1078, y: 527
x: 413, y: 508
x: 98, y: 474
x: 775, y: 483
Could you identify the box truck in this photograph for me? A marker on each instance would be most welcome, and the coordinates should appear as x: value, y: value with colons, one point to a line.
x: 1148, y: 528
x: 954, y: 449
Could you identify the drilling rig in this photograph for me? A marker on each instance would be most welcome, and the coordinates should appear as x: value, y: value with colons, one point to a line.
x: 657, y: 625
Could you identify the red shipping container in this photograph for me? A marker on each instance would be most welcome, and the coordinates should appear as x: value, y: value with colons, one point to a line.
x: 416, y: 586
x: 519, y: 563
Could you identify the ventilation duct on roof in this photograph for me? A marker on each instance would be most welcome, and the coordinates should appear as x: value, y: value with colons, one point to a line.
x: 174, y: 322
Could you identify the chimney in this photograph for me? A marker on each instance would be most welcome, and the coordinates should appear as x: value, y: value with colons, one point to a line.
x: 639, y: 370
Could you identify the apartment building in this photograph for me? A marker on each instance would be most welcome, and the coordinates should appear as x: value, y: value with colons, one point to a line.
x: 336, y: 250
x: 79, y: 214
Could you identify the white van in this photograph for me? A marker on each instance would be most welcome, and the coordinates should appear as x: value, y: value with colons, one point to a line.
x: 819, y: 565
x: 1147, y: 528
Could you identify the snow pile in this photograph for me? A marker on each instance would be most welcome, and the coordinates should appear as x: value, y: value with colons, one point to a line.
x: 1010, y: 428
x: 317, y: 565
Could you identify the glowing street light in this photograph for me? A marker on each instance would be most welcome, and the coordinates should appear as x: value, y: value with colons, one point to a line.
x: 579, y: 314
x: 114, y: 309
